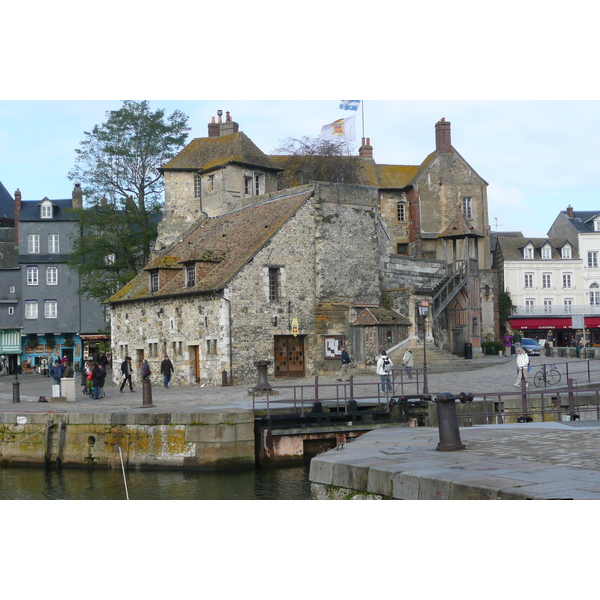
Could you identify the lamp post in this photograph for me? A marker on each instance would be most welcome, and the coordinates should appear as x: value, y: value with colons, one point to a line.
x: 424, y: 311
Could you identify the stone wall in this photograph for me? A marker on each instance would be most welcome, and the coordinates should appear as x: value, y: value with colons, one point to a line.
x: 206, y: 440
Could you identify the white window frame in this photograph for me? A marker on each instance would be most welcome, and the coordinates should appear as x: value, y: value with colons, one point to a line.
x: 197, y: 185
x: 46, y: 210
x: 401, y: 212
x: 528, y: 284
x: 546, y: 281
x: 53, y: 243
x: 566, y: 251
x: 592, y: 261
x: 567, y: 281
x: 546, y: 252
x: 467, y: 203
x: 529, y: 305
x: 11, y: 310
x: 31, y: 309
x: 33, y: 277
x: 154, y: 281
x: 52, y: 275
x: 50, y: 309
x: 547, y: 305
x: 33, y: 243
x: 528, y: 252
x: 568, y: 305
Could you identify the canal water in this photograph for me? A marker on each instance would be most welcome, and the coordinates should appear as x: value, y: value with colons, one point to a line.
x: 86, y: 484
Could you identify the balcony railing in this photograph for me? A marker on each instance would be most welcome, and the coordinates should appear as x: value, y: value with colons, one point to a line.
x: 557, y: 310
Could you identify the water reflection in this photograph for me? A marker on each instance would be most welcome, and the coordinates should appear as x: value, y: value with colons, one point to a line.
x: 83, y: 484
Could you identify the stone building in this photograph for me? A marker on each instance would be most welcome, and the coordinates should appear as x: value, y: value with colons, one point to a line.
x: 245, y: 272
x: 279, y: 280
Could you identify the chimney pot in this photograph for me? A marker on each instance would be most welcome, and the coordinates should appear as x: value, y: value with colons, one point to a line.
x: 443, y: 138
x: 570, y: 211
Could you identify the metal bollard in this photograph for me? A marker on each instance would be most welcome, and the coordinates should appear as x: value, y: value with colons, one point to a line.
x: 262, y: 384
x: 147, y: 393
x: 448, y: 421
x: 16, y: 390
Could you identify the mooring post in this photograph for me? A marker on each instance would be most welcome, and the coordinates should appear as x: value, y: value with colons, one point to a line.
x: 147, y: 393
x: 262, y: 383
x: 448, y: 420
x: 16, y: 390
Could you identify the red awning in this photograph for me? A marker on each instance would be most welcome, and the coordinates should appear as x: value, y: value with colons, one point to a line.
x: 542, y: 323
x: 591, y: 321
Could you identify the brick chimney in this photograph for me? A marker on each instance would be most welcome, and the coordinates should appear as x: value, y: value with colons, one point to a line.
x: 17, y: 211
x: 443, y: 142
x: 77, y: 196
x: 366, y: 150
x: 219, y: 129
x: 570, y: 211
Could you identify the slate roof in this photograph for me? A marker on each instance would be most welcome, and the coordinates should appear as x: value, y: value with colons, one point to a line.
x: 227, y: 242
x: 380, y: 316
x: 582, y: 220
x: 30, y: 210
x: 512, y: 247
x: 7, y: 204
x: 205, y: 154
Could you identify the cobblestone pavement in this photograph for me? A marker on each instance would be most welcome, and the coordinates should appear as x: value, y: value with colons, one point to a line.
x: 499, y: 376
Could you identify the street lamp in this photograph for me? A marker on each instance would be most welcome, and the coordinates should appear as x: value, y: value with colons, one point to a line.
x: 424, y: 311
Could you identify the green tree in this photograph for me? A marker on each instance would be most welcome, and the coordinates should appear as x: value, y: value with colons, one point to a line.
x: 505, y: 307
x: 118, y: 165
x: 319, y: 160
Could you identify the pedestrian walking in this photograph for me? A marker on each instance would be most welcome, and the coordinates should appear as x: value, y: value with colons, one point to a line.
x: 408, y: 361
x: 343, y: 374
x: 166, y: 370
x: 384, y: 369
x: 126, y: 372
x: 522, y: 367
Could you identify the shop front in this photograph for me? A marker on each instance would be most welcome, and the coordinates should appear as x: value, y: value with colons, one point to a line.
x: 559, y: 331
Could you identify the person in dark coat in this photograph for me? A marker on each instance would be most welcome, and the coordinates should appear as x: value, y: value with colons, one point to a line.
x: 97, y: 380
x: 166, y: 370
x: 126, y: 371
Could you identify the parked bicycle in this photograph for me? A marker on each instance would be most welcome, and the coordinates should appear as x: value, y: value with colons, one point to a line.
x: 549, y: 375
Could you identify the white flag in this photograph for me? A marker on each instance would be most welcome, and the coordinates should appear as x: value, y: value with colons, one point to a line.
x: 342, y: 129
x: 349, y: 104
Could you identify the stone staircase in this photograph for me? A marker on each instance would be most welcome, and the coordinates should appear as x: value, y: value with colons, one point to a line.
x: 439, y: 361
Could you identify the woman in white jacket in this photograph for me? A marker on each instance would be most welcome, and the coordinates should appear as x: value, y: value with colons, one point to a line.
x: 522, y: 366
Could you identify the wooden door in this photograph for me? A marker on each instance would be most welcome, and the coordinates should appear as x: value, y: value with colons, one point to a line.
x: 289, y: 356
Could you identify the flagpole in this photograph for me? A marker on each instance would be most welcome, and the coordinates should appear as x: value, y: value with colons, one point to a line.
x: 362, y: 106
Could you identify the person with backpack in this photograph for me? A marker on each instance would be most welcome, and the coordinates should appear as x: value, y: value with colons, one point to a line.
x: 384, y: 369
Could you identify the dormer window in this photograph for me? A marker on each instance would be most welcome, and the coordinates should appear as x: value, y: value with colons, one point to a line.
x: 190, y: 275
x: 566, y: 251
x: 546, y: 252
x: 46, y: 209
x: 528, y: 252
x: 154, y: 281
x: 596, y: 224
